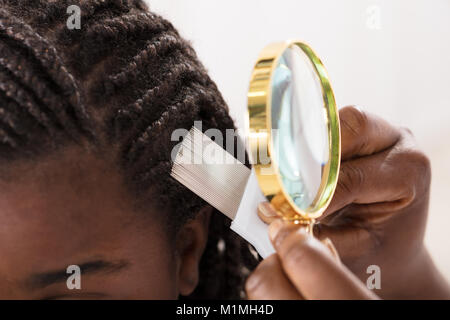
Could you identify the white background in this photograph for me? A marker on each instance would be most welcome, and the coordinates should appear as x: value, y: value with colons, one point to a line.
x: 400, y: 71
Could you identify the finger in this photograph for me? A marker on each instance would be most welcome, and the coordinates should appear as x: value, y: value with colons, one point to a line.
x: 329, y: 244
x: 386, y: 178
x: 311, y: 268
x: 364, y: 134
x: 269, y: 282
x: 349, y: 240
x: 267, y: 212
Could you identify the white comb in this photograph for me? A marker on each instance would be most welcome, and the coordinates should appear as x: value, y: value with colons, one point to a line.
x: 225, y: 183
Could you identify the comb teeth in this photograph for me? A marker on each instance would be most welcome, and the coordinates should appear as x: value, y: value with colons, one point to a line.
x: 210, y: 172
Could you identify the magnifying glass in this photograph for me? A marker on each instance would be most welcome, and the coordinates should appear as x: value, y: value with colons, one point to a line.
x: 293, y: 131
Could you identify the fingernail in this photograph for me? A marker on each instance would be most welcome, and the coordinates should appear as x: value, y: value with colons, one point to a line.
x: 274, y: 228
x: 267, y: 210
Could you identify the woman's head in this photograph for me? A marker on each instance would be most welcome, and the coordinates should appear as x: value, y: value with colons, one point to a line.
x: 86, y: 118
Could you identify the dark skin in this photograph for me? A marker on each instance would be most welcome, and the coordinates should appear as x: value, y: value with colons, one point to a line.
x: 72, y: 208
x: 377, y: 217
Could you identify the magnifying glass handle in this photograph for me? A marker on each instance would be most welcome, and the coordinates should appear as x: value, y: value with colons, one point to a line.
x: 309, y: 225
x: 283, y: 208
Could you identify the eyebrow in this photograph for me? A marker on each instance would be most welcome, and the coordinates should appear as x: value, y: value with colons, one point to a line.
x: 45, y: 279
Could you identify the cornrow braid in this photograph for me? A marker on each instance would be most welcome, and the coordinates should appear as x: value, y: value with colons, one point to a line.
x: 8, y: 85
x: 22, y: 69
x: 157, y: 47
x: 169, y: 118
x: 46, y: 55
x: 121, y: 83
x: 170, y: 80
x: 112, y: 31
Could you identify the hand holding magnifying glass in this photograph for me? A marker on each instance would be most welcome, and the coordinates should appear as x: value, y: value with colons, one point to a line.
x: 377, y: 217
x: 302, y: 268
x: 373, y: 205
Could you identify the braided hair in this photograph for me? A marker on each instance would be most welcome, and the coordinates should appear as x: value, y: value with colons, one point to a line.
x: 119, y: 86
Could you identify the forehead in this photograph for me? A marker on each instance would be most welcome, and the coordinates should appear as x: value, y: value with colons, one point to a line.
x: 65, y: 208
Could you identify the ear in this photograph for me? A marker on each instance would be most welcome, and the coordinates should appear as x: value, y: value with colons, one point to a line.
x: 190, y: 245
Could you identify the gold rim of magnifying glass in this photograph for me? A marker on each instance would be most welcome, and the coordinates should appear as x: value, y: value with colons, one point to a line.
x: 259, y: 135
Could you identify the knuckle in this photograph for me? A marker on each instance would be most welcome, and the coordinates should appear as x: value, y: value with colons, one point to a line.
x: 351, y: 178
x: 422, y: 161
x: 421, y: 166
x: 407, y: 132
x: 418, y: 163
x: 344, y: 185
x: 415, y: 168
x: 355, y: 120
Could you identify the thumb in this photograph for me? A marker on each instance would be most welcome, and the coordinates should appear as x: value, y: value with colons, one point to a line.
x: 311, y: 267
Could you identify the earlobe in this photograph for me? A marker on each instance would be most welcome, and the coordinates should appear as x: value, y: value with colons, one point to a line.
x: 191, y: 243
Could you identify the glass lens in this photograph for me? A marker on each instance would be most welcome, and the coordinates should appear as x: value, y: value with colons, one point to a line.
x: 299, y: 126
